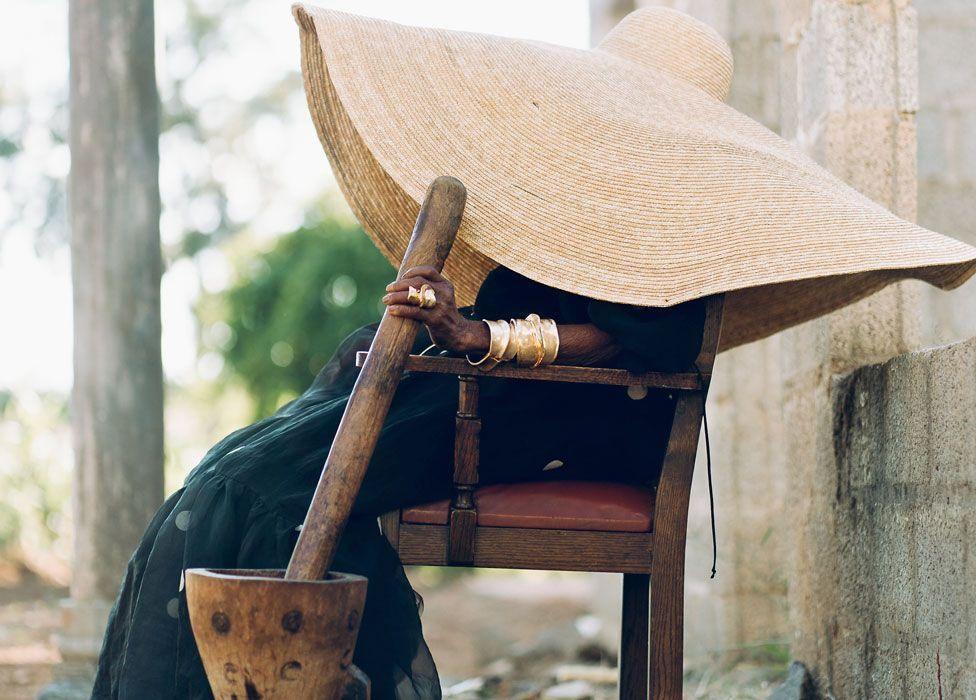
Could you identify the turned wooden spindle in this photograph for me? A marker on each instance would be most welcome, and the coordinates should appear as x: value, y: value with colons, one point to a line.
x: 463, y: 517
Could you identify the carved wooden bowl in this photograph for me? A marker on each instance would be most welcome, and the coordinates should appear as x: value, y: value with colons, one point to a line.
x: 261, y: 636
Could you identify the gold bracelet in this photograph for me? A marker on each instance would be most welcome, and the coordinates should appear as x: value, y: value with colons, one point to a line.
x: 531, y: 341
x: 550, y: 341
x: 536, y: 323
x: 500, y: 338
x: 487, y: 356
x: 511, y: 344
x: 529, y: 352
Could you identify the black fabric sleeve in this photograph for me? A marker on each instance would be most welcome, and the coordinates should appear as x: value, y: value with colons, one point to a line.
x: 650, y: 338
x: 505, y: 294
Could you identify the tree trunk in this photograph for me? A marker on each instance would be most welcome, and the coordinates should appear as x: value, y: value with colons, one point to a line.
x: 117, y: 400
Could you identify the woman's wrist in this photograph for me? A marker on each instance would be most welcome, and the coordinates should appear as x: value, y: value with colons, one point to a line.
x: 473, y: 338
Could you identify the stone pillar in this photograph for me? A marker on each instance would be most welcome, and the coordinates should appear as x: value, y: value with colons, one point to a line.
x: 852, y: 70
x: 743, y: 612
x: 947, y: 148
x: 746, y: 402
x: 117, y: 398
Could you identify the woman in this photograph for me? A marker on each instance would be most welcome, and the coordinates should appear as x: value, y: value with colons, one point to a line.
x: 618, y: 171
x: 242, y: 506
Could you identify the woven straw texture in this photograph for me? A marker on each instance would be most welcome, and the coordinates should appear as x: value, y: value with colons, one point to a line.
x: 617, y: 173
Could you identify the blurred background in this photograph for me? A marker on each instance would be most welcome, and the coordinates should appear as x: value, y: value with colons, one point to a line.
x: 265, y: 270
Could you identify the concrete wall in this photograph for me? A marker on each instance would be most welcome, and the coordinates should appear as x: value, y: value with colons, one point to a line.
x: 851, y: 106
x: 881, y: 462
x: 905, y: 440
x: 854, y: 495
x: 947, y: 147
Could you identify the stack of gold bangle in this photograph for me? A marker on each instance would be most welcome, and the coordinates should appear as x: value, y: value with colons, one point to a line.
x: 531, y: 342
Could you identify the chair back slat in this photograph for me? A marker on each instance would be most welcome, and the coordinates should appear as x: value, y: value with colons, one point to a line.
x: 679, y: 460
x: 670, y: 381
x: 711, y: 334
x: 462, y: 516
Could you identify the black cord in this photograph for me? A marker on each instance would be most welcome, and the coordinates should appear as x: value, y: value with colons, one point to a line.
x: 711, y: 497
x: 708, y: 463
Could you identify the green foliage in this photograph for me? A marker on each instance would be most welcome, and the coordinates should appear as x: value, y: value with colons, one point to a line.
x: 290, y: 307
x: 35, y: 475
x: 774, y: 653
x: 8, y: 147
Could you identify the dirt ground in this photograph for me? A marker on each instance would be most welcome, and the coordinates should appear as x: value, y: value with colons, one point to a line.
x: 494, y: 635
x: 29, y: 615
x: 526, y: 635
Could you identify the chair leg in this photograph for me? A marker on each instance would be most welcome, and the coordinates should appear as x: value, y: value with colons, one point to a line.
x: 667, y: 623
x: 634, y: 625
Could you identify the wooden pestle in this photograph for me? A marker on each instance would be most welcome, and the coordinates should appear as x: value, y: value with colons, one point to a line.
x: 359, y: 429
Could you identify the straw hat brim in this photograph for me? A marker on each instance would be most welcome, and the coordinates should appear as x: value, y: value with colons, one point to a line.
x: 616, y: 173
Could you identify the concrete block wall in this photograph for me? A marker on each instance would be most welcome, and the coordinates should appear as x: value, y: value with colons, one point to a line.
x: 947, y: 148
x: 880, y: 546
x: 904, y: 436
x: 850, y: 101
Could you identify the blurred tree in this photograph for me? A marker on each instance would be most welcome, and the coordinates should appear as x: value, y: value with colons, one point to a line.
x: 290, y: 307
x: 217, y: 172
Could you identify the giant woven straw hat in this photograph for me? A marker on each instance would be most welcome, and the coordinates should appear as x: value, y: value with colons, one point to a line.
x: 617, y: 173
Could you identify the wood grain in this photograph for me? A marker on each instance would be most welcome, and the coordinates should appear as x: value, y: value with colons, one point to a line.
x: 671, y: 523
x: 261, y: 637
x: 527, y: 548
x: 670, y: 526
x: 359, y: 429
x: 390, y: 527
x: 711, y: 335
x: 679, y: 381
x: 634, y: 623
x: 462, y: 517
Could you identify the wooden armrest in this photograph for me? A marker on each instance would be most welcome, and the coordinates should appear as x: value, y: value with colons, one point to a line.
x: 679, y: 381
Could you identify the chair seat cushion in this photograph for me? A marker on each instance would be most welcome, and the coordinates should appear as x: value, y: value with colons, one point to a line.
x: 552, y: 505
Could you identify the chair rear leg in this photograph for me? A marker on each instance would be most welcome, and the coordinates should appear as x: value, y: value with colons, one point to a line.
x: 667, y: 622
x: 634, y: 630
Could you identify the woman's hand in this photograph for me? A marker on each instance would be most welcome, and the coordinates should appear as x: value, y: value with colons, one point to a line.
x: 448, y: 329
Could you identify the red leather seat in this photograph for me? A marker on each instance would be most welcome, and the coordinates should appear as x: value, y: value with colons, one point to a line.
x: 552, y: 505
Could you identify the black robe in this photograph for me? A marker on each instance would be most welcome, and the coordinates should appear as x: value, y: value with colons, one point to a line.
x: 241, y: 507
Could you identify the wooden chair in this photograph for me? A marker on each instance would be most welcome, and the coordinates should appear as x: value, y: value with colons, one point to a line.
x: 578, y: 526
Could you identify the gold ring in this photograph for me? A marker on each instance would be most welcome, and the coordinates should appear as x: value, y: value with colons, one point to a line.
x: 414, y: 297
x: 428, y: 299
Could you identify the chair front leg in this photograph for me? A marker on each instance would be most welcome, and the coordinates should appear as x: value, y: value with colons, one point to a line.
x: 633, y: 656
x: 668, y: 562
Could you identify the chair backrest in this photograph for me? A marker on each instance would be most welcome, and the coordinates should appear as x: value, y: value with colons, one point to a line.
x: 678, y: 467
x: 711, y: 333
